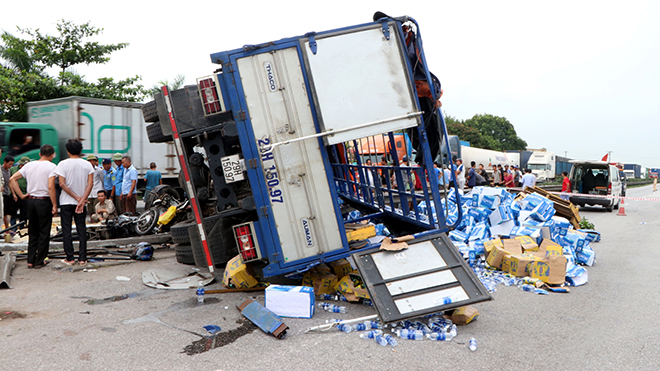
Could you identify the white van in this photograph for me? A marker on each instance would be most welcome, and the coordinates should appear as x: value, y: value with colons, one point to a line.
x: 596, y: 178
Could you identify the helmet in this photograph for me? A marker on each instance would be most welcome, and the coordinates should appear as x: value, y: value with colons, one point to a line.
x: 143, y: 251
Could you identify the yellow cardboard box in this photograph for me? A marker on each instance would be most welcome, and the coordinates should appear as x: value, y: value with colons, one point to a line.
x: 520, y: 264
x: 341, y: 267
x: 238, y: 274
x: 528, y: 243
x: 346, y: 287
x: 322, y: 282
x: 495, y: 257
x: 551, y: 269
x: 360, y: 232
x: 490, y: 245
x: 550, y: 248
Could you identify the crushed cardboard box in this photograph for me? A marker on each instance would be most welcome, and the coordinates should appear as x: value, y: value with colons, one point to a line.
x: 238, y: 275
x: 321, y: 280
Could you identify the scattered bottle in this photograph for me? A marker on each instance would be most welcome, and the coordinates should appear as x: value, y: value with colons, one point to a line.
x: 440, y: 336
x: 200, y: 293
x: 327, y: 297
x: 473, y: 344
x: 453, y: 330
x: 367, y: 302
x: 371, y: 334
x: 361, y: 327
x: 541, y: 292
x: 332, y: 308
x: 381, y: 340
x: 391, y: 340
x: 527, y: 287
x: 373, y: 325
x: 345, y: 327
x: 333, y: 320
x: 410, y: 334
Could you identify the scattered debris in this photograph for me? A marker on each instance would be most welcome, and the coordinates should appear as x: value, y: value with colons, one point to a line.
x: 123, y: 278
x: 266, y: 320
x: 219, y: 340
x: 212, y: 329
x: 7, y: 264
x: 172, y: 280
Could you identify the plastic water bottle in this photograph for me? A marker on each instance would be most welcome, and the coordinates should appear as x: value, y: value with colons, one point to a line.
x: 333, y: 320
x: 361, y: 327
x: 391, y: 340
x: 453, y: 331
x: 327, y: 297
x: 473, y: 344
x: 410, y: 334
x: 345, y: 327
x: 527, y: 287
x: 332, y: 308
x: 367, y: 302
x: 440, y: 336
x: 372, y: 325
x: 200, y: 293
x: 371, y: 334
x: 381, y: 340
x: 541, y: 292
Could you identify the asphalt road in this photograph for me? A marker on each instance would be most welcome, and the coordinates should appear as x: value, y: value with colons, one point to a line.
x: 610, y: 323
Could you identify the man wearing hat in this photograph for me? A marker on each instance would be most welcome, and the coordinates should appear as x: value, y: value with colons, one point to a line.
x: 22, y: 184
x: 98, y: 182
x: 108, y: 177
x: 117, y: 182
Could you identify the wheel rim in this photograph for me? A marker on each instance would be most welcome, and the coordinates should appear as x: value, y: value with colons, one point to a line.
x: 145, y: 220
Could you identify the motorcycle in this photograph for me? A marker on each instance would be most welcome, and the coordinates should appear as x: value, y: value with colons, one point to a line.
x: 164, y: 212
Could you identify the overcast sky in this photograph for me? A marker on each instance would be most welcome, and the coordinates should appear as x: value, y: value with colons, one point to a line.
x: 575, y: 77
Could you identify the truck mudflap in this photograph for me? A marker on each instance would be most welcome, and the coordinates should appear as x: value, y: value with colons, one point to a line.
x: 428, y: 277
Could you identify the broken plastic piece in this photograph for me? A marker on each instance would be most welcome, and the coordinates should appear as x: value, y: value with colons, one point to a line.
x: 266, y: 320
x: 212, y: 329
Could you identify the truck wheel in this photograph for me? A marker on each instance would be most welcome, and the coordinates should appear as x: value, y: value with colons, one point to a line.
x: 609, y: 208
x: 146, y: 221
x: 219, y: 238
x: 150, y: 112
x: 155, y: 133
x: 184, y: 255
x: 179, y: 232
x: 159, y: 190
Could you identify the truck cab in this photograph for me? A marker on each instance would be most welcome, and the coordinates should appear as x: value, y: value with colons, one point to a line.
x: 542, y: 164
x: 20, y: 139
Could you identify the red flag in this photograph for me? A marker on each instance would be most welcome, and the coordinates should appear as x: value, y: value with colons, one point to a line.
x: 605, y: 157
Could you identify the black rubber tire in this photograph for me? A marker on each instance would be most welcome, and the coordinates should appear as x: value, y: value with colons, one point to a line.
x: 147, y: 221
x: 155, y: 134
x: 150, y: 111
x: 220, y: 241
x: 184, y: 255
x: 179, y: 232
x: 609, y: 209
x: 157, y: 191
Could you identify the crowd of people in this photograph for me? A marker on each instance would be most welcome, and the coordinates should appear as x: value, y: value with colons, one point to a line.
x: 87, y: 192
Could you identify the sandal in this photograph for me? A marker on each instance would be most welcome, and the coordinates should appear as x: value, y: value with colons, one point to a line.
x: 82, y: 263
x: 30, y: 265
x: 68, y: 262
x: 39, y: 266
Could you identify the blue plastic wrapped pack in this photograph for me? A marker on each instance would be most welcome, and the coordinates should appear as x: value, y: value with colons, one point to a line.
x: 479, y: 232
x: 591, y: 235
x: 586, y: 255
x: 479, y: 213
x: 353, y: 215
x: 574, y: 240
x: 381, y: 230
x: 531, y: 201
x: 526, y: 231
x: 500, y: 215
x: 577, y: 276
x: 487, y: 201
x: 462, y: 248
x: 459, y: 236
x: 478, y: 246
x: 544, y: 211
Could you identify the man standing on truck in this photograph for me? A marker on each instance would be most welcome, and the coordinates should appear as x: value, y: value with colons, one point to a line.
x: 41, y: 203
x: 117, y: 182
x: 76, y: 180
x: 129, y: 186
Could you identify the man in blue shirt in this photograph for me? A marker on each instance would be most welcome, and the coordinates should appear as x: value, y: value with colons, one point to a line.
x: 108, y: 177
x: 129, y: 186
x: 472, y: 175
x: 117, y: 182
x: 152, y: 178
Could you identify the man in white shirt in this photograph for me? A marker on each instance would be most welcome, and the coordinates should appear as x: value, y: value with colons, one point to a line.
x: 76, y: 180
x: 528, y: 180
x: 41, y: 203
x: 460, y: 173
x: 98, y: 182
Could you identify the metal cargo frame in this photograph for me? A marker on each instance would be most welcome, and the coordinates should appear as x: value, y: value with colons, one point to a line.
x: 347, y: 182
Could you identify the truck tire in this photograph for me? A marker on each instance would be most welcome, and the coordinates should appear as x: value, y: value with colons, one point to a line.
x: 219, y: 238
x: 184, y: 255
x: 150, y: 112
x: 159, y: 190
x: 155, y: 133
x: 179, y: 232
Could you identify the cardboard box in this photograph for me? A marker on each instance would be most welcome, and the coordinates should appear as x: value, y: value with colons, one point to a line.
x: 552, y: 269
x: 502, y: 229
x: 512, y: 246
x: 528, y: 244
x: 360, y: 232
x: 500, y: 215
x: 519, y: 264
x: 346, y: 286
x: 491, y: 244
x: 238, y: 275
x: 340, y: 267
x: 549, y: 248
x: 464, y: 315
x: 495, y: 257
x: 290, y: 301
x: 322, y: 282
x: 506, y: 263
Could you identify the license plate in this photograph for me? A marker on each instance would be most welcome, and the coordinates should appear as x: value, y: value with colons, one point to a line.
x: 232, y: 169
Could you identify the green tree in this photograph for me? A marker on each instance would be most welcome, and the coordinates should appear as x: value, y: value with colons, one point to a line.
x: 177, y: 83
x: 498, y: 131
x: 24, y: 62
x: 468, y: 133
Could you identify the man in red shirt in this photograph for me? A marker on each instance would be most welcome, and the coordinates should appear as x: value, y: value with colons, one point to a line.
x: 565, y: 186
